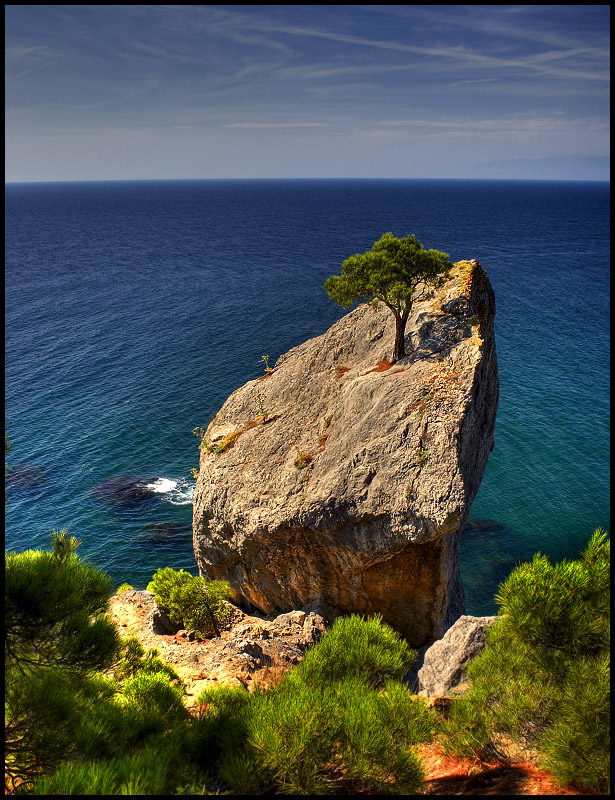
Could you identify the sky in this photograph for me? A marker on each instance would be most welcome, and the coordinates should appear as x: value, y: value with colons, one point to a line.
x: 97, y: 92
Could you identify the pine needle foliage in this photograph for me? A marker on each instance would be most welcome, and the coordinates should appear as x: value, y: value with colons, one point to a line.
x: 56, y: 610
x: 70, y: 727
x: 357, y: 647
x: 57, y: 633
x: 542, y: 681
x: 340, y: 722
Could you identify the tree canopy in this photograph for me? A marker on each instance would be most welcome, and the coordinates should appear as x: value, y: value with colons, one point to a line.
x: 397, y: 272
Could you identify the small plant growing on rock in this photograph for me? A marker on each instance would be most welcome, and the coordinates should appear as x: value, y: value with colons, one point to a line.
x: 422, y: 458
x: 124, y: 587
x: 268, y: 369
x: 205, y: 444
x: 191, y: 601
x: 261, y: 414
x: 303, y: 459
x: 229, y: 441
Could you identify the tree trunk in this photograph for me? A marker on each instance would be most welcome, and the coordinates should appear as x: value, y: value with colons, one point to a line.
x: 400, y: 333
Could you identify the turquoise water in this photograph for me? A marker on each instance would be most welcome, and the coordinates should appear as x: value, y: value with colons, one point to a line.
x: 134, y: 308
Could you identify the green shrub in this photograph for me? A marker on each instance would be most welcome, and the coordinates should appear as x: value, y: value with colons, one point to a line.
x: 124, y: 587
x: 155, y: 769
x: 191, y: 601
x: 543, y: 678
x: 57, y: 634
x: 70, y: 728
x: 135, y: 659
x: 152, y: 692
x: 339, y: 722
x: 357, y: 647
x: 322, y: 739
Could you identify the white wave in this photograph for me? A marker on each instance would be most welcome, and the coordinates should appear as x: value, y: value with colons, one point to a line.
x: 162, y: 485
x: 178, y: 493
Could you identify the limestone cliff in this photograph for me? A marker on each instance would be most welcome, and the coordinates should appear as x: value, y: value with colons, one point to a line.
x: 341, y: 478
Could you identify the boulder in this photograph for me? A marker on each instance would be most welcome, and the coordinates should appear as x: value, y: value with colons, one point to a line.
x: 445, y: 662
x: 161, y: 623
x: 256, y: 648
x: 125, y: 490
x: 340, y: 479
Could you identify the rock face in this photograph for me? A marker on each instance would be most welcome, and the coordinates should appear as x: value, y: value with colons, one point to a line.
x: 446, y: 660
x: 343, y: 479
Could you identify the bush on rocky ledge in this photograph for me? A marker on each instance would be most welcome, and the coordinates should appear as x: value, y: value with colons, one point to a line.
x: 191, y: 601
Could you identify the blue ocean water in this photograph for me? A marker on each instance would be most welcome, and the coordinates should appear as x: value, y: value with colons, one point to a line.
x: 134, y: 308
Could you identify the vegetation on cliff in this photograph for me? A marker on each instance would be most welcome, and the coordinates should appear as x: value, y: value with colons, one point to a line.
x: 397, y: 272
x: 191, y: 601
x: 88, y: 713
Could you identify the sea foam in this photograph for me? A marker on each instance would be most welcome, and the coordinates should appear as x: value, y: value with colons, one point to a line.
x: 178, y: 492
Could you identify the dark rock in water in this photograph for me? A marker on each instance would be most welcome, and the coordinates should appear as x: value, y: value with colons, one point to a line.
x: 29, y: 477
x: 174, y: 534
x: 122, y: 490
x: 482, y: 526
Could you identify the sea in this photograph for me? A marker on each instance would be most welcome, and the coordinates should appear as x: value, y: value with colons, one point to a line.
x: 133, y: 309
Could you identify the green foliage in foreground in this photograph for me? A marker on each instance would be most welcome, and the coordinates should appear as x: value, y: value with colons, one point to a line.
x: 341, y: 721
x: 191, y: 601
x: 56, y: 635
x: 543, y: 678
x: 69, y: 727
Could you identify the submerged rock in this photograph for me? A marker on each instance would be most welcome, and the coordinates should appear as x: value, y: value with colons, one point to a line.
x: 122, y: 490
x: 343, y: 479
x: 166, y: 534
x: 28, y: 477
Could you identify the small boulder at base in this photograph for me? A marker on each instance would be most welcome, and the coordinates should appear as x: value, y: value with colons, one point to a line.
x: 446, y: 660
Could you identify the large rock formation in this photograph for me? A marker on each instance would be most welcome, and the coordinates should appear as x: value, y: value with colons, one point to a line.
x: 344, y: 479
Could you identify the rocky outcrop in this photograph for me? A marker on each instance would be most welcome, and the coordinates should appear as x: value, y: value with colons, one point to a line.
x: 445, y: 662
x: 251, y: 651
x: 341, y: 478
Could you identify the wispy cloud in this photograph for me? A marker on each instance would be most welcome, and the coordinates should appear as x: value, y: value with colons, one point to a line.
x: 265, y: 125
x: 351, y: 81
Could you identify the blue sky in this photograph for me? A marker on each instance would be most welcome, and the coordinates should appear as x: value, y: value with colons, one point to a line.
x: 171, y: 91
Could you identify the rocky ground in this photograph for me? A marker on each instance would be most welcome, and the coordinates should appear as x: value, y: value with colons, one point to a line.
x: 251, y: 650
x: 256, y: 651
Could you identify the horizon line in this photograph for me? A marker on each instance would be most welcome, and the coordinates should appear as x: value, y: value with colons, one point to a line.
x: 321, y: 178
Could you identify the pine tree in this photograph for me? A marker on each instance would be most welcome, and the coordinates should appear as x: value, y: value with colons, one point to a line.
x: 543, y: 678
x: 56, y: 634
x: 397, y: 272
